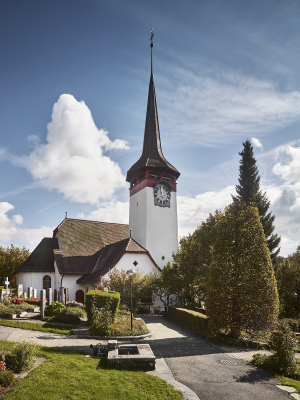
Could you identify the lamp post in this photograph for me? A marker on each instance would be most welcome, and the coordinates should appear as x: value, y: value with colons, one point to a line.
x: 131, y: 273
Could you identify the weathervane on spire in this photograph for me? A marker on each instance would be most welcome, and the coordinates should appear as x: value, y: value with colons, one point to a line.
x: 151, y: 39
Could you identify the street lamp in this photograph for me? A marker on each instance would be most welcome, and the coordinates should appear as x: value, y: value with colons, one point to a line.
x: 131, y: 273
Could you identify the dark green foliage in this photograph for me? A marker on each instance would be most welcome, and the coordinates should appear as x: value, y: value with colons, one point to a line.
x: 190, y: 319
x: 288, y: 277
x: 282, y: 361
x: 283, y: 343
x: 66, y: 318
x: 100, y: 297
x: 6, y: 378
x: 294, y: 324
x: 187, y: 275
x: 21, y: 357
x: 249, y: 191
x: 55, y: 308
x: 119, y: 281
x: 242, y: 293
x: 11, y: 258
x: 102, y: 318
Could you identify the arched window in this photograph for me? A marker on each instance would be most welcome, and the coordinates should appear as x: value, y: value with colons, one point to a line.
x: 46, y: 282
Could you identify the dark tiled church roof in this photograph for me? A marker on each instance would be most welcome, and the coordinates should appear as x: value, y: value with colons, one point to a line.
x: 152, y: 155
x: 109, y: 256
x: 41, y: 259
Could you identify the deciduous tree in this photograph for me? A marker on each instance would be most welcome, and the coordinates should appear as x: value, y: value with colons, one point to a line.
x: 11, y: 258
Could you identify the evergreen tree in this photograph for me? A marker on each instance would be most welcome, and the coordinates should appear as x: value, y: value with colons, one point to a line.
x: 241, y: 292
x: 249, y: 191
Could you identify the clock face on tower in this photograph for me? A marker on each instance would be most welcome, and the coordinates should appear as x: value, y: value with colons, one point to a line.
x: 162, y: 195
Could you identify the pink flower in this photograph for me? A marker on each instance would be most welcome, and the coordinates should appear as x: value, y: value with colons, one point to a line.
x: 2, y: 366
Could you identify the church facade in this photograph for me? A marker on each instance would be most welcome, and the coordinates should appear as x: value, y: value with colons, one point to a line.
x: 81, y: 253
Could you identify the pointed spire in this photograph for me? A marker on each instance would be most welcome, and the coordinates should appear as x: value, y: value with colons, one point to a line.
x: 152, y: 155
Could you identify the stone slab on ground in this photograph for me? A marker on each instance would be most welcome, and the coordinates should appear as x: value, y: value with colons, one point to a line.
x: 288, y: 389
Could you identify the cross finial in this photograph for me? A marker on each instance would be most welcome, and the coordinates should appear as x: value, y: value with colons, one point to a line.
x: 151, y: 38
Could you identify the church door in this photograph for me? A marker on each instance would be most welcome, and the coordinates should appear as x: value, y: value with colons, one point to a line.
x: 79, y: 296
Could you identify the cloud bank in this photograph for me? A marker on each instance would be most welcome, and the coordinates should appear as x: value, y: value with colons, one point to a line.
x: 214, y: 107
x: 73, y: 160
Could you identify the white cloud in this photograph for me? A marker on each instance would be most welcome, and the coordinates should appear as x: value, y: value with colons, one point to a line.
x: 256, y: 143
x: 113, y: 211
x: 73, y: 161
x: 11, y: 232
x: 18, y: 161
x: 33, y: 140
x: 194, y: 210
x: 288, y: 166
x: 212, y: 107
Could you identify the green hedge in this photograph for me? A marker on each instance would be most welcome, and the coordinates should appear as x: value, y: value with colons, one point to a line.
x: 100, y: 298
x: 189, y: 319
x: 294, y: 324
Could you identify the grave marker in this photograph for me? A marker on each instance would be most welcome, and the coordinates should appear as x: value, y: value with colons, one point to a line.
x: 19, y: 290
x: 49, y: 296
x: 6, y: 283
x: 42, y: 302
x: 56, y: 293
x: 30, y: 289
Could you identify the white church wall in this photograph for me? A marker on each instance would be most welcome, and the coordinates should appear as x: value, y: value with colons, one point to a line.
x: 145, y: 265
x: 154, y: 227
x: 34, y: 280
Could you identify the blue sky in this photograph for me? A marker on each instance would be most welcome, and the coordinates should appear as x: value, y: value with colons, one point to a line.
x: 74, y: 79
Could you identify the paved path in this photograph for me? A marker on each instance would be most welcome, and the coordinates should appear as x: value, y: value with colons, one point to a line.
x: 48, y: 339
x: 213, y: 372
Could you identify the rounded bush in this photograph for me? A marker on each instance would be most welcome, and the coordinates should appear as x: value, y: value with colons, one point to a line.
x: 55, y: 308
x: 66, y: 319
x: 6, y: 378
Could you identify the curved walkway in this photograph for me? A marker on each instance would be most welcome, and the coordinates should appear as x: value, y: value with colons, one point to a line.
x: 213, y: 372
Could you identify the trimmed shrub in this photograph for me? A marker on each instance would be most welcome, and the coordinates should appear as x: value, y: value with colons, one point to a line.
x: 55, y: 308
x: 283, y: 343
x: 189, y: 319
x: 21, y: 357
x: 100, y: 298
x: 294, y: 324
x: 6, y: 378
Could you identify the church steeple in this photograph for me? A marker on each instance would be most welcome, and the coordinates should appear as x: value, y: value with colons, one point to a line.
x: 152, y: 155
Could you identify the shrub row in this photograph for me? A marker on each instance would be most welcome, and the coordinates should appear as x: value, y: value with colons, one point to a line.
x: 100, y: 297
x: 294, y: 324
x: 189, y: 319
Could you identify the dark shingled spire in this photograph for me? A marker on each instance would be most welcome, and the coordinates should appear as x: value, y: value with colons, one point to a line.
x: 152, y: 155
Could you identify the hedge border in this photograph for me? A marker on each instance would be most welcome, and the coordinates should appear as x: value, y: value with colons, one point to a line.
x: 189, y: 319
x: 100, y: 298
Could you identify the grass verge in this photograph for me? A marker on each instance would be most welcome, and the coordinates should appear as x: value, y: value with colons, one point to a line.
x: 289, y: 382
x: 71, y: 375
x: 32, y: 326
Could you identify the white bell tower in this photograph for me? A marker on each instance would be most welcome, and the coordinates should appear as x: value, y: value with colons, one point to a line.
x: 153, y: 204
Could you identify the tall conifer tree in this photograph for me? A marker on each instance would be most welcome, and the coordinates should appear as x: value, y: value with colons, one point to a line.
x: 249, y: 191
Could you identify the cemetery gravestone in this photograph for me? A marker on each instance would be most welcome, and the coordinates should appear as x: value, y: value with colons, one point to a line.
x: 30, y: 290
x: 34, y: 293
x: 56, y: 292
x: 62, y: 298
x: 6, y: 283
x: 49, y: 296
x: 42, y: 302
x: 19, y: 290
x: 67, y: 296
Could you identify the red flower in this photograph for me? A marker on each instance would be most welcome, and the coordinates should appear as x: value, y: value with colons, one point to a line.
x: 2, y: 366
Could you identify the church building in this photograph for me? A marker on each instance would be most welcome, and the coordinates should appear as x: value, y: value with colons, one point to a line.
x: 81, y: 253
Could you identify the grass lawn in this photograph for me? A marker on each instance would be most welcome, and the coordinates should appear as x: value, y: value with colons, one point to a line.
x: 33, y: 326
x: 289, y: 382
x: 71, y: 375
